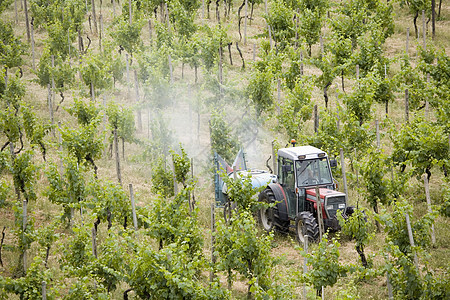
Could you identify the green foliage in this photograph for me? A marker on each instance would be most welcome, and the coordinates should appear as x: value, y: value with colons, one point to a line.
x: 94, y: 69
x: 108, y: 201
x: 357, y: 17
x: 241, y: 191
x: 154, y: 71
x: 311, y: 21
x: 63, y: 73
x: 182, y: 165
x: 222, y: 140
x: 210, y: 39
x: 121, y: 119
x: 359, y: 228
x: 396, y: 229
x: 297, y: 108
x: 373, y: 171
x: 259, y: 91
x: 182, y: 15
x: 413, y: 79
x: 168, y: 274
x: 4, y: 192
x: 280, y: 20
x: 11, y: 48
x: 84, y: 143
x: 359, y: 102
x: 126, y: 35
x: 328, y: 136
x: 35, y: 129
x: 66, y: 189
x: 240, y: 248
x: 326, y: 269
x: 421, y: 145
x: 29, y: 286
x: 162, y: 179
x: 171, y: 222
x: 369, y: 55
x: 86, y: 112
x: 357, y: 136
x: 77, y: 253
x: 445, y: 206
x: 4, y: 4
x: 69, y: 13
x: 25, y: 174
x: 408, y: 282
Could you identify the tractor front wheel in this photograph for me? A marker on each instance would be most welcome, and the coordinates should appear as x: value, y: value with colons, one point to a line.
x: 306, y: 224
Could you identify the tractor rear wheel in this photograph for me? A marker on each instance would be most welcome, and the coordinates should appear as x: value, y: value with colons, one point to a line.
x: 306, y: 224
x: 268, y: 216
x: 265, y: 214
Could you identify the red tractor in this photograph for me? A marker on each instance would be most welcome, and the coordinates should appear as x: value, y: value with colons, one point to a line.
x: 302, y: 173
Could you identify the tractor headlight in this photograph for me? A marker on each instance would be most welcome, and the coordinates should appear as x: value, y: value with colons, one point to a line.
x: 329, y: 207
x: 341, y: 206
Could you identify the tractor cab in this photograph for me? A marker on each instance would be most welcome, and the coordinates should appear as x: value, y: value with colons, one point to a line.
x: 302, y: 170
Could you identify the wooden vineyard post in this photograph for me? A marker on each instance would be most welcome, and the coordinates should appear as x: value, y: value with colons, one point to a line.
x: 94, y: 242
x: 175, y: 185
x: 411, y: 240
x: 213, y: 257
x: 407, y: 41
x: 50, y: 104
x: 94, y: 16
x: 136, y: 87
x: 305, y: 262
x: 297, y: 17
x: 344, y: 176
x: 116, y: 150
x: 220, y: 72
x: 270, y: 37
x: 100, y: 32
x: 24, y: 228
x: 44, y: 290
x: 301, y: 62
x: 170, y: 69
x: 389, y: 285
x: 424, y: 31
x: 128, y: 72
x: 33, y: 55
x: 377, y: 126
x: 427, y: 104
x: 192, y: 203
x: 130, y: 12
x: 274, y: 159
x: 150, y: 29
x: 133, y: 207
x: 406, y: 106
x: 15, y: 12
x: 427, y: 195
x: 25, y: 7
x: 316, y: 119
x: 433, y: 19
x: 319, y: 214
x: 203, y: 10
x: 357, y: 72
x: 278, y: 94
x: 92, y: 92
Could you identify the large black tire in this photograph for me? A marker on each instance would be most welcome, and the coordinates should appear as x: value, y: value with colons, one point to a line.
x: 306, y: 224
x: 269, y: 217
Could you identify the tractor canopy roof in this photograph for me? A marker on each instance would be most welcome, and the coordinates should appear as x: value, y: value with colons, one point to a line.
x: 301, y: 152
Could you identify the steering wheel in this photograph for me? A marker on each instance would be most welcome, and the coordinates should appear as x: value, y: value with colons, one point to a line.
x: 310, y: 181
